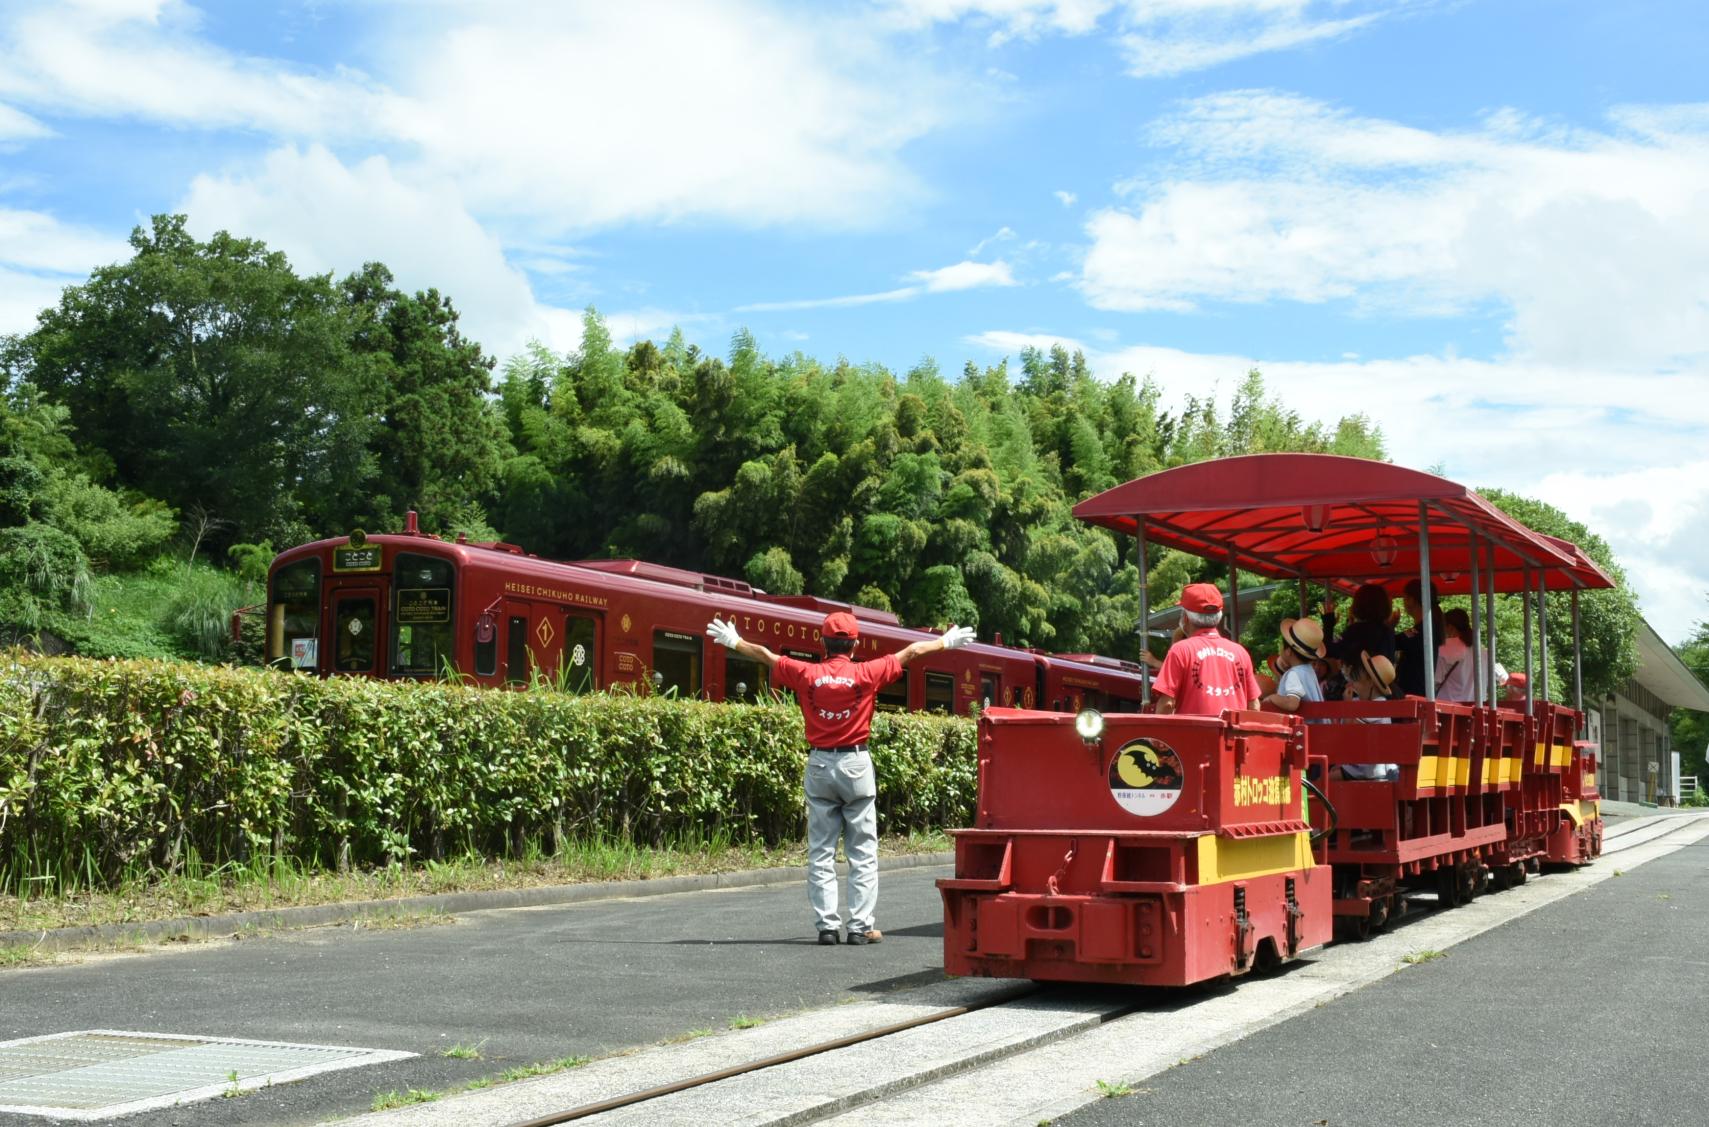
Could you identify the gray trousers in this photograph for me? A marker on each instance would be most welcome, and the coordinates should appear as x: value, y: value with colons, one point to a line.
x: 842, y: 800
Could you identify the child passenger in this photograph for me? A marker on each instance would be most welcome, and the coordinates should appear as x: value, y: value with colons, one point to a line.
x: 1302, y: 644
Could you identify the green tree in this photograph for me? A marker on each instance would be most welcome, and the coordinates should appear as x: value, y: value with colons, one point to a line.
x: 210, y: 374
x: 1691, y: 729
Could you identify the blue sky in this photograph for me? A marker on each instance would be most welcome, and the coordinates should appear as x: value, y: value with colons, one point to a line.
x: 1483, y: 222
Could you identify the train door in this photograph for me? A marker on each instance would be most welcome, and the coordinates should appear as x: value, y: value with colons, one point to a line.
x: 532, y: 644
x: 990, y: 690
x: 581, y: 652
x: 356, y: 630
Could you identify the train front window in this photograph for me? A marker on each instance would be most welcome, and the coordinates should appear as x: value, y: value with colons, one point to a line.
x: 423, y: 636
x: 989, y: 691
x: 676, y: 663
x: 940, y: 692
x: 293, y: 616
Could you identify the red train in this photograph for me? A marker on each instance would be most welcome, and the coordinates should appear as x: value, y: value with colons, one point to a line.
x: 413, y: 605
x: 1166, y: 850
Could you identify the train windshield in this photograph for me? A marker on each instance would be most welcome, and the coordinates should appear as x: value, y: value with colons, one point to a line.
x: 423, y: 637
x: 293, y: 615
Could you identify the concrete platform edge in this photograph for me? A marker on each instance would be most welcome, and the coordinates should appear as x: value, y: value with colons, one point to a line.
x: 322, y: 915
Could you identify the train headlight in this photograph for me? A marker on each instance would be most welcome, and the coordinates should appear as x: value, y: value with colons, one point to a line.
x: 1090, y: 724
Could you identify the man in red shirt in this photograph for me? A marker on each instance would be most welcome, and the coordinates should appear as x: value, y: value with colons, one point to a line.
x: 837, y: 697
x: 1204, y: 672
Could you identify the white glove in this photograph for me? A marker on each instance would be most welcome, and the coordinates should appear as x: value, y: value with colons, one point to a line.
x: 724, y: 633
x: 956, y: 636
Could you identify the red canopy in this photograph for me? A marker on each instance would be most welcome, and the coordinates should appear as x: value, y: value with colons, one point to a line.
x: 1327, y: 517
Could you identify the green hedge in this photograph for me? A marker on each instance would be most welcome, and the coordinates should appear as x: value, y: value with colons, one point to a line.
x: 111, y: 767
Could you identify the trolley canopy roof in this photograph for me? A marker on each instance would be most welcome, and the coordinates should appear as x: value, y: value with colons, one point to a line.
x: 1582, y: 574
x: 1329, y: 518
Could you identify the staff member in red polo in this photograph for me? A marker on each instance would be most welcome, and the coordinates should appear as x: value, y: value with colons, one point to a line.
x: 1204, y: 672
x: 837, y: 697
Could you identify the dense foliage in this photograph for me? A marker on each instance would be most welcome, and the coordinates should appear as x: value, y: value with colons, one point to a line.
x: 1691, y: 729
x: 110, y: 768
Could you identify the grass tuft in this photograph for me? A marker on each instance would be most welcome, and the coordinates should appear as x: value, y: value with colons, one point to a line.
x: 1424, y: 956
x: 461, y: 1051
x: 1112, y: 1090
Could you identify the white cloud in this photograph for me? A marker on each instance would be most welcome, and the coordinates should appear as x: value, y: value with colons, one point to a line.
x: 945, y: 279
x: 17, y: 126
x: 1596, y: 242
x: 1066, y: 199
x: 325, y: 215
x: 965, y: 276
x: 650, y: 323
x: 1001, y: 235
x: 1197, y: 37
x: 1163, y: 38
x: 35, y: 240
x: 144, y: 60
x: 39, y: 257
x: 1630, y: 442
x: 542, y: 116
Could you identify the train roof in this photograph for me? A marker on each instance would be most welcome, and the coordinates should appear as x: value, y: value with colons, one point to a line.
x: 1326, y: 517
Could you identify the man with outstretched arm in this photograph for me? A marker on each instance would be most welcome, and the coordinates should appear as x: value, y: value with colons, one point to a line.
x: 837, y: 697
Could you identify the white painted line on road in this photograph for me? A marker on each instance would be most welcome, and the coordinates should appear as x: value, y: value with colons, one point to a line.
x: 1061, y: 1077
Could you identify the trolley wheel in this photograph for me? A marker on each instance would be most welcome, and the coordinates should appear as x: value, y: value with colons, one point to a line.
x: 1379, y: 914
x: 1449, y: 888
x: 1518, y: 874
x: 1481, y: 878
x: 1356, y: 929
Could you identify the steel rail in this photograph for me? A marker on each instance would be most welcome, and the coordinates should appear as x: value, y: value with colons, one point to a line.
x: 633, y: 1098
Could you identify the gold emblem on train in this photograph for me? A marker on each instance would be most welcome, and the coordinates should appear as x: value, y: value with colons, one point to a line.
x: 544, y: 633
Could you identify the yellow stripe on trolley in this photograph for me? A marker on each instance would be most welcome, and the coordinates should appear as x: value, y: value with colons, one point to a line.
x: 1561, y: 755
x: 1462, y: 770
x: 1227, y: 858
x: 1427, y: 770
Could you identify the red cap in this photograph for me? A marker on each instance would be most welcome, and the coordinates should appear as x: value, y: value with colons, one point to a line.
x: 1201, y: 598
x: 842, y: 624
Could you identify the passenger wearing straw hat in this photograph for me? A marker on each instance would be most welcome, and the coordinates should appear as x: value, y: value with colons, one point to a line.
x: 1302, y: 644
x: 1371, y: 679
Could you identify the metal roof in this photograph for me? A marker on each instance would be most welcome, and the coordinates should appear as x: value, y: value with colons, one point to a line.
x: 1321, y: 516
x: 1662, y: 673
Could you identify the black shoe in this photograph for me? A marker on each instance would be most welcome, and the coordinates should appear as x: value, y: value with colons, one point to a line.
x: 862, y: 938
x: 857, y: 939
x: 829, y: 939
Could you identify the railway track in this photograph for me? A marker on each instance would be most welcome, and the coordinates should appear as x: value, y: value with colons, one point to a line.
x: 982, y: 1052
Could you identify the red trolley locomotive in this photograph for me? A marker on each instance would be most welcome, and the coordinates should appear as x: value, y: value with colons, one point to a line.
x: 411, y: 605
x: 1167, y: 850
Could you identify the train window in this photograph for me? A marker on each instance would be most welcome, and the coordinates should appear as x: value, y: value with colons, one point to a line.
x: 516, y: 649
x: 1123, y: 704
x: 581, y: 654
x: 676, y: 663
x: 743, y: 679
x: 940, y: 692
x: 293, y: 615
x: 423, y: 637
x: 894, y: 696
x: 353, y: 631
x: 990, y: 692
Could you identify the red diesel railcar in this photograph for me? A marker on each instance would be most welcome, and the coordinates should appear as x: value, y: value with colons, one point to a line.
x: 1076, y: 868
x: 411, y: 605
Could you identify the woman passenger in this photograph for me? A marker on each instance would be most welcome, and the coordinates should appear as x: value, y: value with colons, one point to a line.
x: 1368, y: 627
x: 1455, y: 677
x: 1409, y: 644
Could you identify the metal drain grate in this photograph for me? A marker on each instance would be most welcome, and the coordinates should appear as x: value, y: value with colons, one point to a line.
x: 99, y: 1073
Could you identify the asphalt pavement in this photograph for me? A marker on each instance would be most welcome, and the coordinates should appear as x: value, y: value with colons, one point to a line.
x: 1593, y: 1010
x: 525, y: 985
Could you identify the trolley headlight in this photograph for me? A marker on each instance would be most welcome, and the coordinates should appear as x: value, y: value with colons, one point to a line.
x: 1090, y: 724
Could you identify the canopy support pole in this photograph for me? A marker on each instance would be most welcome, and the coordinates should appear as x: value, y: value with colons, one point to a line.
x: 1489, y: 619
x: 1578, y: 665
x: 1429, y: 600
x: 1233, y: 598
x: 1144, y: 617
x: 1530, y: 676
x: 1478, y: 670
x: 1542, y: 637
